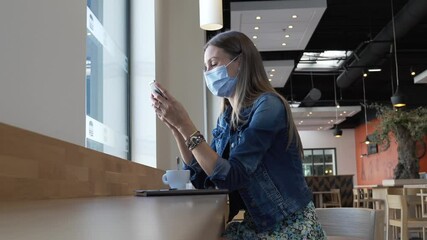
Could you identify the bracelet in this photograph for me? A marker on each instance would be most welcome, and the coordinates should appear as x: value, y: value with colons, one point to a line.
x: 194, y: 140
x: 194, y: 133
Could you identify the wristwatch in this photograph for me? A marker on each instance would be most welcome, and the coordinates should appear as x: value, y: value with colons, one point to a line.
x: 194, y: 140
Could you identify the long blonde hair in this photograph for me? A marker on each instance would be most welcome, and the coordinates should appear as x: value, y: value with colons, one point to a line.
x: 252, y: 79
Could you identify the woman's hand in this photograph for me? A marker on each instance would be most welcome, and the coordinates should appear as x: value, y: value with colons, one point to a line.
x: 169, y: 110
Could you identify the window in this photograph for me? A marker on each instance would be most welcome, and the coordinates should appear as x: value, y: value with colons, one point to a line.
x: 107, y: 77
x: 319, y: 162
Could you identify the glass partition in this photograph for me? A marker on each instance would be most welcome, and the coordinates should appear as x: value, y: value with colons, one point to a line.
x: 107, y: 77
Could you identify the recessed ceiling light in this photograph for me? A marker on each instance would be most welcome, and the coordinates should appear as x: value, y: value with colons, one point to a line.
x: 254, y: 37
x: 271, y: 75
x: 269, y: 79
x: 294, y: 16
x: 283, y: 44
x: 287, y: 35
x: 273, y: 70
x: 310, y: 113
x: 290, y: 26
x: 413, y: 73
x: 374, y: 70
x: 258, y: 17
x: 256, y: 28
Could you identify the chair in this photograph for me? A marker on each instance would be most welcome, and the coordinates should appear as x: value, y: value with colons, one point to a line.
x: 423, y: 198
x: 335, y: 200
x: 399, y: 216
x: 360, y: 223
x: 370, y: 202
x: 358, y: 200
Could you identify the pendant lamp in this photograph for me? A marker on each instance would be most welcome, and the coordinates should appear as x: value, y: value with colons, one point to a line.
x: 398, y: 99
x: 210, y: 12
x: 337, y: 130
x: 366, y: 115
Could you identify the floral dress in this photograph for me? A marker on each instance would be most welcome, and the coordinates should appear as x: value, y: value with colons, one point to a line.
x: 301, y: 225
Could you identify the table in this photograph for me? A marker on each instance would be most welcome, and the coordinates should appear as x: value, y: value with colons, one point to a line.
x: 318, y: 198
x: 343, y: 238
x: 112, y: 218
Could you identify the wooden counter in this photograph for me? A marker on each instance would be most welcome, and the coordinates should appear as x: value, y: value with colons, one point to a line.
x: 113, y: 218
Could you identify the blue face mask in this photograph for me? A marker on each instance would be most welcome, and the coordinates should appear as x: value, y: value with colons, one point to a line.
x: 218, y: 81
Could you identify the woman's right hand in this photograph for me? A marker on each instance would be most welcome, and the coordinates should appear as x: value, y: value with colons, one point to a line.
x: 171, y: 112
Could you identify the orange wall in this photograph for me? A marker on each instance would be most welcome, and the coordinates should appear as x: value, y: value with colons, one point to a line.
x: 372, y: 169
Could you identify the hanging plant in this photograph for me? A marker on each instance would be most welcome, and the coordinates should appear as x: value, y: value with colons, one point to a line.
x: 408, y: 128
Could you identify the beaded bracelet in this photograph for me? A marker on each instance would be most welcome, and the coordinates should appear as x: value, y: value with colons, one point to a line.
x: 194, y: 140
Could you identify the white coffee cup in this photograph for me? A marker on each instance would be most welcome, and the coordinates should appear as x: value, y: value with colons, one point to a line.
x: 176, y: 178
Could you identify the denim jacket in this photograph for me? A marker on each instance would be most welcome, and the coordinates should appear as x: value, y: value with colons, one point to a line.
x: 267, y: 174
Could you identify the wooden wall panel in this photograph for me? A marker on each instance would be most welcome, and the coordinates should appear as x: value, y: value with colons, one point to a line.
x: 33, y: 166
x: 326, y: 183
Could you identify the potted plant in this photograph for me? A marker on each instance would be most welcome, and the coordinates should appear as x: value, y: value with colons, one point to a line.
x: 408, y: 128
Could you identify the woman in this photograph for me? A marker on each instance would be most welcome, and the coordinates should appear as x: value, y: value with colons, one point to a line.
x: 256, y: 150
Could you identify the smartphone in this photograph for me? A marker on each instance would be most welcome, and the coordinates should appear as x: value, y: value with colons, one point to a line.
x: 154, y: 89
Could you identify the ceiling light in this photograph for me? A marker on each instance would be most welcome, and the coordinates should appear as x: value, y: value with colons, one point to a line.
x: 337, y: 132
x: 283, y: 44
x: 287, y: 35
x: 365, y: 74
x: 294, y: 16
x: 366, y: 115
x: 398, y: 98
x: 367, y: 141
x: 374, y: 70
x: 254, y: 37
x: 273, y: 70
x: 258, y: 18
x: 271, y: 75
x: 210, y: 12
x: 269, y: 79
x: 256, y: 28
x: 290, y: 26
x: 413, y: 73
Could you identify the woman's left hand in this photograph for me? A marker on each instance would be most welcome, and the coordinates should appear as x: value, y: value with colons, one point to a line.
x: 169, y: 110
